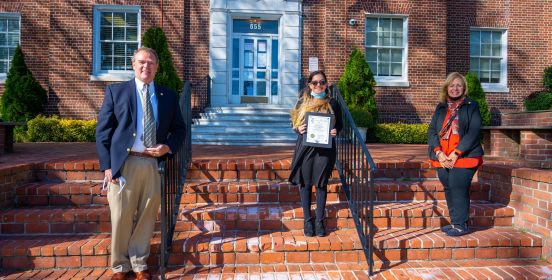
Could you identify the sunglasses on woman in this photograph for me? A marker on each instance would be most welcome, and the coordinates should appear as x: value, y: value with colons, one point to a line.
x: 316, y: 83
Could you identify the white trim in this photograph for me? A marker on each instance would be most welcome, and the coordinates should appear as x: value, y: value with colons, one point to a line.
x: 112, y: 75
x: 391, y: 81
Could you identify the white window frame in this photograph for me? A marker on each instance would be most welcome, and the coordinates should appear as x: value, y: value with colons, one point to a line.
x: 4, y: 76
x: 503, y: 85
x: 391, y: 81
x: 110, y: 75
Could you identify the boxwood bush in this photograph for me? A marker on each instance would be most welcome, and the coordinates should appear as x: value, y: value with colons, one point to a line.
x: 401, y: 133
x: 54, y: 129
x: 538, y: 101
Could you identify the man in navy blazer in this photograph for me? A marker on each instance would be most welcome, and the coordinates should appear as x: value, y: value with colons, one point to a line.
x: 129, y: 166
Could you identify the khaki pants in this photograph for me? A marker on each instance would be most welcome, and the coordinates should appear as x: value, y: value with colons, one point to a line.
x: 140, y: 198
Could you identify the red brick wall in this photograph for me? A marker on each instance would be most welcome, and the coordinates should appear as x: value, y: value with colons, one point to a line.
x: 540, y: 118
x: 529, y: 192
x: 10, y: 178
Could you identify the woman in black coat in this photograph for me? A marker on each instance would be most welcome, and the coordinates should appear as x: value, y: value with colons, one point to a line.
x: 455, y: 149
x: 313, y: 165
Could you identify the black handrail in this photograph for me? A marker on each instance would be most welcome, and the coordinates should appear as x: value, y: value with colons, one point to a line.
x: 201, y: 96
x: 173, y: 176
x: 356, y: 170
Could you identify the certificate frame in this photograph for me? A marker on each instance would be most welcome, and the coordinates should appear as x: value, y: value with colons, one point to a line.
x: 313, y: 136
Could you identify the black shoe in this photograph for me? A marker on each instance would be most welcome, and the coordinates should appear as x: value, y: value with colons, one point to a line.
x: 458, y: 230
x: 307, y: 228
x: 446, y: 228
x: 320, y: 230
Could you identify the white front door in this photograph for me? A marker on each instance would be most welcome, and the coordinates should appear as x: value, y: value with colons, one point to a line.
x: 254, y: 69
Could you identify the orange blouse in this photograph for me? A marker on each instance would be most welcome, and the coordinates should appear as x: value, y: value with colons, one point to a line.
x: 448, y: 146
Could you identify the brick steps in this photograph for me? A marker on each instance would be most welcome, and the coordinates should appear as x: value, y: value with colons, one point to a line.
x: 288, y: 247
x: 82, y: 194
x: 260, y: 217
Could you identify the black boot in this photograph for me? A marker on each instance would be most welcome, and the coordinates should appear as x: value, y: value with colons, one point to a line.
x: 319, y: 228
x: 308, y: 228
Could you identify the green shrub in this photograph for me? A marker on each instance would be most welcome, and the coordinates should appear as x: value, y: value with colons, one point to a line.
x: 23, y: 96
x: 538, y: 101
x: 362, y: 117
x: 547, y: 78
x: 357, y: 85
x: 54, y: 129
x: 166, y: 74
x: 401, y: 133
x: 475, y: 92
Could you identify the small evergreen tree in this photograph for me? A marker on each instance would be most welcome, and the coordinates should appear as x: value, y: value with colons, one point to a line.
x: 23, y: 97
x: 357, y: 85
x: 547, y: 78
x: 475, y: 92
x: 166, y: 74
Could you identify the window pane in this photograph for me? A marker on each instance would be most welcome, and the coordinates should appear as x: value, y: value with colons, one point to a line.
x: 132, y: 34
x: 485, y: 65
x: 371, y: 24
x: 384, y: 56
x: 236, y: 74
x: 119, y: 49
x: 274, y: 74
x: 497, y: 37
x: 495, y: 64
x: 474, y: 65
x: 474, y: 49
x: 3, y: 25
x: 385, y: 25
x: 261, y: 75
x: 485, y: 50
x: 107, y: 19
x: 396, y: 69
x: 235, y: 87
x: 132, y: 19
x: 11, y: 53
x: 396, y: 56
x: 275, y: 54
x: 374, y: 68
x: 485, y: 76
x: 118, y: 19
x: 274, y: 88
x: 396, y: 39
x: 247, y: 87
x: 119, y: 33
x: 3, y: 54
x: 371, y: 54
x: 386, y: 39
x: 248, y: 75
x: 475, y: 37
x: 497, y: 50
x: 371, y: 38
x: 107, y: 48
x: 384, y: 69
x: 107, y: 62
x: 235, y: 53
x: 261, y: 88
x: 3, y: 66
x: 495, y: 77
x: 119, y: 63
x: 485, y: 37
x: 131, y: 48
x: 3, y: 39
x: 13, y: 25
x: 13, y: 39
x: 397, y: 25
x: 105, y: 33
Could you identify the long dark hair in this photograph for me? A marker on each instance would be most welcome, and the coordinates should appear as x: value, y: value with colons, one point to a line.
x: 305, y: 92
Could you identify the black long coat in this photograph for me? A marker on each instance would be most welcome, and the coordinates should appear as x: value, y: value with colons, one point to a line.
x: 315, y: 160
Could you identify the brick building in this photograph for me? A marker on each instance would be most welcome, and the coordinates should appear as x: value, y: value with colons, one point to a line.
x: 256, y: 51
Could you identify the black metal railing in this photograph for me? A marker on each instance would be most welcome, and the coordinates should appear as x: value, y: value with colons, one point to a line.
x: 173, y: 175
x: 356, y: 170
x: 201, y: 97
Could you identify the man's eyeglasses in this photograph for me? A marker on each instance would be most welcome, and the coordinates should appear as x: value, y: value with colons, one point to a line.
x: 316, y: 83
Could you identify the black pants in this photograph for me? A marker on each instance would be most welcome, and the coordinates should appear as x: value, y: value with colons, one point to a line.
x: 457, y: 183
x: 306, y: 199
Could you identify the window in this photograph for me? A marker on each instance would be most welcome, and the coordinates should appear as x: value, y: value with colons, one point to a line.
x: 10, y: 30
x: 386, y: 49
x: 488, y: 58
x: 116, y: 37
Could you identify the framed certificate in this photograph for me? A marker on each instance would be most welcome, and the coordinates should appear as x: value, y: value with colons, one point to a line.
x: 318, y: 130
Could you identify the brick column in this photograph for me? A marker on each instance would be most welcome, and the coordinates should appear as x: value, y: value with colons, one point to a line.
x: 536, y: 145
x: 505, y: 143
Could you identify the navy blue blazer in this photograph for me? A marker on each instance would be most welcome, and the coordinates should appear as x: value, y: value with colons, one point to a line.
x: 117, y: 124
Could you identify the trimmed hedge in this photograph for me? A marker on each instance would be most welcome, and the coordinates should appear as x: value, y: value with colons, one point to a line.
x: 54, y: 129
x: 401, y: 133
x: 538, y: 101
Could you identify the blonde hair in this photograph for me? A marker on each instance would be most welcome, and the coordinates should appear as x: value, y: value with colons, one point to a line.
x: 450, y: 78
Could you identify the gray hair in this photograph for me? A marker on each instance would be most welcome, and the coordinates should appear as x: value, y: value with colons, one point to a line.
x: 148, y: 50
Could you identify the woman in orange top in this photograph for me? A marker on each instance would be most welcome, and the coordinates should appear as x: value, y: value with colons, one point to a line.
x: 455, y: 149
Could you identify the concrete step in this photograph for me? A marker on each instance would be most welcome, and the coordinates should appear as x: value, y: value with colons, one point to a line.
x: 243, y: 247
x: 254, y: 217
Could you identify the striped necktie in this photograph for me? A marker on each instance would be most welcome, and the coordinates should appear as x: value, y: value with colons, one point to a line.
x: 149, y: 136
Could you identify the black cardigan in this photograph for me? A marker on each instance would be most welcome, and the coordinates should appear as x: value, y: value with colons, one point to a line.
x: 469, y: 120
